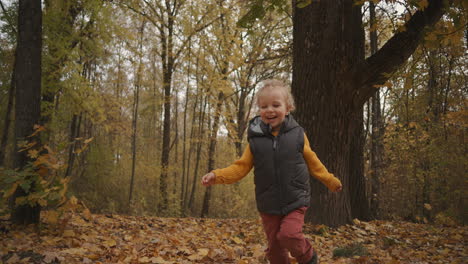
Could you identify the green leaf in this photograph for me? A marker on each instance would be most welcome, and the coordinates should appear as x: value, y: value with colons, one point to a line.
x: 303, y: 3
x: 25, y: 185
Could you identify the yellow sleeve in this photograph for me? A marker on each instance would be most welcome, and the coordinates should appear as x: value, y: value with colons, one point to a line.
x: 317, y: 169
x: 238, y: 170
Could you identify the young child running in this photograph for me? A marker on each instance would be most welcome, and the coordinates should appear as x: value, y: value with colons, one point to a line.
x: 283, y: 161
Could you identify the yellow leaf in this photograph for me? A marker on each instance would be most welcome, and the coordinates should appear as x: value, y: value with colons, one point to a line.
x: 73, y: 200
x: 33, y: 153
x: 144, y: 260
x: 203, y: 251
x: 37, y: 129
x: 87, y: 214
x: 51, y: 217
x: 88, y: 140
x: 68, y: 233
x: 237, y: 240
x: 42, y: 202
x: 11, y: 190
x: 110, y: 243
x: 427, y: 206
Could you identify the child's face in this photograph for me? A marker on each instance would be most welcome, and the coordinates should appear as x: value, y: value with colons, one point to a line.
x: 273, y: 108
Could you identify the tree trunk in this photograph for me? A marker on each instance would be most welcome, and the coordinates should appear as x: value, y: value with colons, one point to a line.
x: 167, y: 57
x: 357, y: 183
x: 327, y: 38
x: 136, y: 101
x: 184, y: 140
x: 377, y: 130
x: 59, y: 44
x: 190, y: 151
x: 8, y: 117
x: 74, y: 133
x: 201, y: 131
x: 176, y: 179
x: 332, y: 80
x: 211, y: 152
x: 28, y: 96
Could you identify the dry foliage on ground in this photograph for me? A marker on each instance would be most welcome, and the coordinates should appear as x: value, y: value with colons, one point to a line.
x: 89, y: 238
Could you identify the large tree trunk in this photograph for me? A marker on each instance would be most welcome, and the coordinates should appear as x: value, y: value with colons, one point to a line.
x: 357, y: 191
x: 328, y: 37
x: 28, y: 95
x: 332, y: 80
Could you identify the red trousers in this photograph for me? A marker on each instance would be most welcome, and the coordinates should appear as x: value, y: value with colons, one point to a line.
x: 284, y: 233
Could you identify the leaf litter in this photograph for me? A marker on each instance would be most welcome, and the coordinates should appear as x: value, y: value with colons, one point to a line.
x: 110, y: 238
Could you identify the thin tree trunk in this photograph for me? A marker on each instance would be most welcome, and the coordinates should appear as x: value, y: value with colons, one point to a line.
x: 184, y: 143
x: 136, y: 100
x: 192, y: 146
x: 74, y: 133
x: 176, y: 145
x: 377, y: 130
x: 211, y: 152
x: 167, y: 80
x: 201, y: 131
x: 8, y: 116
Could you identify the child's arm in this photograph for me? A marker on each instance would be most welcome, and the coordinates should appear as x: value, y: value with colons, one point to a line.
x: 235, y: 172
x: 318, y: 170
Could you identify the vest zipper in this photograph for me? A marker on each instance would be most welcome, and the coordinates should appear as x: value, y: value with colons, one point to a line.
x: 277, y: 173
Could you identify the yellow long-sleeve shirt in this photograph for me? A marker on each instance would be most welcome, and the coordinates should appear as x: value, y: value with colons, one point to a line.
x: 241, y: 167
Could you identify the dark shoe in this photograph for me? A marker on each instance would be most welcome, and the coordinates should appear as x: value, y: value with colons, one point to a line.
x: 314, y: 259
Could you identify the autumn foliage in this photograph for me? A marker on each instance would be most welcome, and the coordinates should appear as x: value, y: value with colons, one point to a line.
x: 77, y: 236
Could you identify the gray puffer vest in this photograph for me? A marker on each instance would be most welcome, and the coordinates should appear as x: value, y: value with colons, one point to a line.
x: 281, y: 173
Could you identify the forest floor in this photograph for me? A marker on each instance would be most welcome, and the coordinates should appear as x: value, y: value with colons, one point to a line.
x: 93, y: 238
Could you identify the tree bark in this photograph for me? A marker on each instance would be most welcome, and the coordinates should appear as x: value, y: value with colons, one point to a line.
x: 357, y: 183
x: 376, y: 153
x: 201, y: 131
x: 74, y: 133
x: 168, y: 60
x: 211, y: 152
x: 8, y: 117
x: 332, y: 80
x: 136, y: 101
x: 28, y: 96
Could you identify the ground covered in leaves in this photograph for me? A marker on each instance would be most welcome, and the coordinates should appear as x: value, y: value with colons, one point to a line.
x: 89, y: 238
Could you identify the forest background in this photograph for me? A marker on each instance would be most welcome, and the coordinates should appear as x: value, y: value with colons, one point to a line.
x: 141, y: 98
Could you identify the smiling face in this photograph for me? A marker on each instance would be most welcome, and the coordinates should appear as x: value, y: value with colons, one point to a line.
x: 273, y: 107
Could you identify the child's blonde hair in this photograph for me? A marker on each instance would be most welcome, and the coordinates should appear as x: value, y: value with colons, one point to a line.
x: 270, y: 84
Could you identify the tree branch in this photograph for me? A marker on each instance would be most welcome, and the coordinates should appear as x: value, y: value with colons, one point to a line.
x: 377, y: 69
x: 7, y: 16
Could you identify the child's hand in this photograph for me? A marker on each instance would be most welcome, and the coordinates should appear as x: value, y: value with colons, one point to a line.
x: 208, y: 179
x: 339, y: 188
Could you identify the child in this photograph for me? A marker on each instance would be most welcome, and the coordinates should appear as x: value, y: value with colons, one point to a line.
x: 282, y: 159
